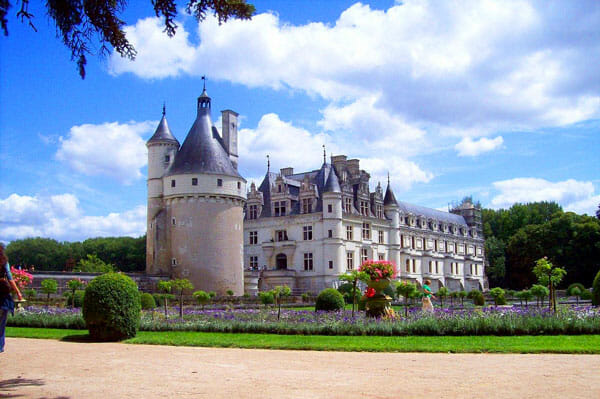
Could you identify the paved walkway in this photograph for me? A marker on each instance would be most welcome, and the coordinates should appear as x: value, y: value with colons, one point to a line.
x: 52, y: 369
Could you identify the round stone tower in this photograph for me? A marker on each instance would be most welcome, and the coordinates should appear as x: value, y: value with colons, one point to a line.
x: 162, y: 148
x: 204, y: 196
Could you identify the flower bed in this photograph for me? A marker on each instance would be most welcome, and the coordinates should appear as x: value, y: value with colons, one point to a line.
x: 478, y: 321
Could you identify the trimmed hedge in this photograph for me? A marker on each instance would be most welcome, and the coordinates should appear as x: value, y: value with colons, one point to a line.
x: 111, y: 307
x: 570, y: 288
x: 147, y: 301
x: 330, y: 299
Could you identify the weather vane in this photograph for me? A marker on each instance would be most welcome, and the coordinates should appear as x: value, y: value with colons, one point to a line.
x: 203, y: 82
x: 268, y: 163
x: 324, y: 154
x: 164, y: 109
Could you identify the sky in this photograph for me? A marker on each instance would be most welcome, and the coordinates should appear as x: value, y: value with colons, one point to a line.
x: 495, y: 99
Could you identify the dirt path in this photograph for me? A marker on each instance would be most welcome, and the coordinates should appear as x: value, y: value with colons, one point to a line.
x: 52, y: 369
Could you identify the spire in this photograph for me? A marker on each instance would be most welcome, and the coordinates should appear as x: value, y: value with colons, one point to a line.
x: 203, y: 100
x: 324, y: 154
x: 333, y: 184
x: 390, y: 198
x: 164, y: 109
x: 163, y: 133
x: 268, y: 163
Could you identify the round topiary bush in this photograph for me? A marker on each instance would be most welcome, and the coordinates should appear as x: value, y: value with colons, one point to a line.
x: 477, y: 297
x: 570, y: 288
x: 147, y: 301
x: 596, y: 290
x: 329, y: 299
x: 111, y: 307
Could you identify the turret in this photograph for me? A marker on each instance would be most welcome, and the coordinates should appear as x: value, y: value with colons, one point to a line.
x: 392, y: 212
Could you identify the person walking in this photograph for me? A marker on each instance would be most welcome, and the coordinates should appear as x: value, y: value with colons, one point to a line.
x: 6, y: 302
x: 427, y: 295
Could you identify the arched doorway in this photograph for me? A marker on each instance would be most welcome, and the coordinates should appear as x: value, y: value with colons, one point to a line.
x: 281, y: 262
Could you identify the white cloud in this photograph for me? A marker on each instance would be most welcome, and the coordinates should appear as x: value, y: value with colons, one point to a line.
x: 465, y: 65
x: 573, y: 195
x: 470, y: 148
x: 60, y: 217
x: 109, y: 149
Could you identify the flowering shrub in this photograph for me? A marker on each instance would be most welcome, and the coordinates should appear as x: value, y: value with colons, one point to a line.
x: 370, y: 292
x: 378, y: 269
x: 21, y: 277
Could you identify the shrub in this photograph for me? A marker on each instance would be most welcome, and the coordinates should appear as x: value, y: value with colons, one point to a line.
x: 390, y: 290
x: 147, y: 301
x: 329, y: 299
x: 498, y: 294
x: 49, y: 286
x: 362, y: 303
x: 266, y: 297
x: 586, y: 295
x: 477, y: 297
x: 230, y: 292
x: 306, y: 297
x: 202, y: 297
x: 570, y: 288
x: 79, y: 295
x: 111, y: 307
x: 596, y: 290
x: 29, y: 294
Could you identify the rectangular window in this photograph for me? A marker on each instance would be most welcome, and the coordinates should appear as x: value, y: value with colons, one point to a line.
x: 254, y: 262
x: 430, y: 267
x: 253, y: 237
x: 349, y: 233
x: 419, y: 243
x: 219, y: 182
x: 380, y: 236
x: 173, y: 262
x: 281, y: 235
x: 329, y: 208
x: 408, y: 265
x: 167, y: 158
x: 253, y: 212
x: 194, y: 181
x: 279, y: 208
x: 379, y: 211
x: 364, y: 255
x: 366, y: 231
x: 308, y: 261
x: 239, y: 185
x: 331, y: 264
x: 437, y: 270
x: 350, y: 260
x: 307, y: 233
x: 330, y: 233
x: 381, y: 256
x: 306, y: 205
x: 364, y: 208
x: 173, y: 183
x: 348, y: 205
x: 173, y: 221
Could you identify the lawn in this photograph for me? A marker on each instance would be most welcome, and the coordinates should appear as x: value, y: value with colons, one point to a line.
x: 582, y: 344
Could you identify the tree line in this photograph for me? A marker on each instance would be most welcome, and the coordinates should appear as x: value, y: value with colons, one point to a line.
x: 517, y: 237
x: 126, y: 254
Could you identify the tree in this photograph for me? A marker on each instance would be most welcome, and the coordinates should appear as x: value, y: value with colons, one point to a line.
x: 278, y: 293
x: 180, y: 285
x: 165, y: 287
x: 495, y: 254
x: 462, y: 295
x: 576, y: 292
x: 354, y: 277
x: 598, y: 212
x: 549, y: 275
x: 540, y: 292
x: 442, y: 293
x: 74, y: 285
x: 49, y: 286
x: 79, y: 22
x: 93, y: 264
x: 407, y: 290
x: 497, y: 293
x: 202, y: 297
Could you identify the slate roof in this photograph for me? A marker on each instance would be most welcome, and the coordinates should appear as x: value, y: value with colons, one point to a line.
x: 442, y: 216
x: 162, y: 133
x: 389, y: 198
x: 203, y: 150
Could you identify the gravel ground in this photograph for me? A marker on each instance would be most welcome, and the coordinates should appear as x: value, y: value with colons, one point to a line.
x: 52, y: 369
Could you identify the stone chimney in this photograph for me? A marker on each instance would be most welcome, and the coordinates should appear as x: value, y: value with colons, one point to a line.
x: 287, y: 171
x: 229, y: 130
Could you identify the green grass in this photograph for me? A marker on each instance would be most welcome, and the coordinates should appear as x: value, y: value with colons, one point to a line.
x: 584, y: 344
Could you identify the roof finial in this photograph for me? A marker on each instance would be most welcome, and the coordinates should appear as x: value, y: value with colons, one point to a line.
x: 324, y: 154
x: 164, y: 109
x: 388, y: 177
x: 203, y: 82
x: 268, y: 163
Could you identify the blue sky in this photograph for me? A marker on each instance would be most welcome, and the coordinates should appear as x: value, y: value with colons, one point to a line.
x: 495, y: 99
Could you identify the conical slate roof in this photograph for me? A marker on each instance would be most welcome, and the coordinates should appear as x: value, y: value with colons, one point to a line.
x: 162, y: 133
x: 203, y: 151
x: 333, y: 184
x: 390, y: 198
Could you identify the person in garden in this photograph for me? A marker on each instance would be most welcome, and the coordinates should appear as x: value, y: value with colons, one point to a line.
x: 6, y: 302
x: 427, y: 295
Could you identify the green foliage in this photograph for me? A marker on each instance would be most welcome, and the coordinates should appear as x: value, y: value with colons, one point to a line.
x: 495, y: 253
x: 498, y: 294
x: 390, y: 290
x: 586, y: 295
x: 202, y: 297
x: 353, y: 277
x: 524, y: 295
x: 49, y: 286
x: 111, y: 307
x: 279, y: 292
x: 540, y: 292
x: 147, y: 301
x: 477, y: 297
x: 179, y: 286
x: 575, y: 285
x: 306, y: 297
x: 29, y: 294
x: 596, y: 290
x: 329, y: 299
x: 407, y: 290
x: 442, y: 293
x: 93, y: 264
x: 75, y: 299
x: 266, y: 297
x: 230, y: 292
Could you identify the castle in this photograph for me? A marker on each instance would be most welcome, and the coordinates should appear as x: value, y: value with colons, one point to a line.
x: 299, y: 229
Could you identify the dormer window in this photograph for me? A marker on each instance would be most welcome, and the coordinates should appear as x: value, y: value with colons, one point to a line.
x: 219, y: 182
x: 279, y: 208
x: 253, y: 212
x: 279, y: 188
x: 306, y: 205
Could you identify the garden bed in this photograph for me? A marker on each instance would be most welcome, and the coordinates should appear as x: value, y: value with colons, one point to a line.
x: 457, y: 322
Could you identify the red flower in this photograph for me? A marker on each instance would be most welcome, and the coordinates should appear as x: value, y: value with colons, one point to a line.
x: 370, y: 292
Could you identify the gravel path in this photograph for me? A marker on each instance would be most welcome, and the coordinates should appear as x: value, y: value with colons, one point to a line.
x: 52, y: 369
